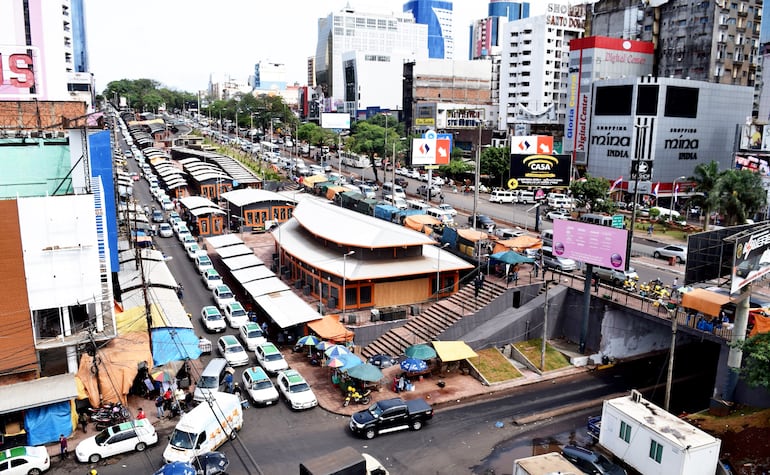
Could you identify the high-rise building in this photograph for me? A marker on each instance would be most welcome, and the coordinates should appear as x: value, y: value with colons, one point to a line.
x: 713, y: 40
x: 534, y: 70
x: 380, y: 35
x: 46, y: 41
x: 437, y: 15
x: 485, y: 38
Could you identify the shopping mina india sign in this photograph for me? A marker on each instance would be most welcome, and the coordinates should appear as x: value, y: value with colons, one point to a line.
x: 533, y: 164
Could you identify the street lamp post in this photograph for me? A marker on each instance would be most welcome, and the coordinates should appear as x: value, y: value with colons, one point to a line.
x: 674, y: 193
x: 344, y: 279
x: 637, y: 150
x: 438, y: 271
x: 476, y: 179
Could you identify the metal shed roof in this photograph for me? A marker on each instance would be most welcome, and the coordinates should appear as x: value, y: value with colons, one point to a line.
x: 265, y: 286
x: 223, y: 240
x: 36, y: 393
x: 242, y: 262
x: 286, y: 309
x: 250, y: 274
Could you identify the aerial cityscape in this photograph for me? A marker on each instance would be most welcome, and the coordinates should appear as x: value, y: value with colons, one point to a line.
x: 458, y: 237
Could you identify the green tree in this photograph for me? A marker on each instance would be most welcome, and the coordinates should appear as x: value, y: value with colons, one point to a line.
x: 739, y: 194
x: 495, y: 162
x: 456, y: 168
x: 756, y: 360
x: 591, y: 193
x: 705, y: 176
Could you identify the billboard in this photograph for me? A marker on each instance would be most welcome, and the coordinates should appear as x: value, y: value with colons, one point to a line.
x: 539, y: 171
x: 331, y: 120
x: 709, y: 256
x: 590, y: 243
x: 431, y: 149
x: 532, y: 144
x: 752, y: 258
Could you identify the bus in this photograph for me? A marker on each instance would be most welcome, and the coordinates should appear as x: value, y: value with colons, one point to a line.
x: 354, y: 160
x: 269, y: 148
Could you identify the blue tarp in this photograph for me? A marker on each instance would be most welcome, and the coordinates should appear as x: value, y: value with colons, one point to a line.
x: 44, y: 424
x: 174, y: 344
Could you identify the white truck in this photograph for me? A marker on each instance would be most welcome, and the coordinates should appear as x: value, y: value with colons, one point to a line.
x: 205, y: 428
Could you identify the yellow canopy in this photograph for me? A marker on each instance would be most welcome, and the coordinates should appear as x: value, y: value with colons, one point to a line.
x: 312, y: 180
x: 518, y: 244
x: 419, y: 222
x: 453, y: 350
x: 705, y: 301
x: 472, y: 235
x: 133, y: 319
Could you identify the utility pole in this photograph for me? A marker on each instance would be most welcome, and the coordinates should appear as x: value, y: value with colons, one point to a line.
x: 670, y: 372
x: 146, y: 296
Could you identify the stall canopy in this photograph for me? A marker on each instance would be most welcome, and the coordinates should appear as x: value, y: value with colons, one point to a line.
x: 421, y: 222
x: 453, y: 350
x: 704, y: 301
x: 38, y: 392
x: 330, y: 328
x: 286, y: 308
x: 518, y: 244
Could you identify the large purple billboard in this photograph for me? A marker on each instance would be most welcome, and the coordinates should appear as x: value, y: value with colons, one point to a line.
x: 590, y: 243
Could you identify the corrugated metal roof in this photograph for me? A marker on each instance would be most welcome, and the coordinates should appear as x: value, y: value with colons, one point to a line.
x: 223, y: 240
x: 250, y: 274
x: 252, y: 195
x: 232, y: 251
x: 286, y: 309
x: 260, y: 287
x: 36, y: 393
x: 242, y: 262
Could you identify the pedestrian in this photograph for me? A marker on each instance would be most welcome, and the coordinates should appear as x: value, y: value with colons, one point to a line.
x: 676, y: 283
x: 264, y: 329
x: 650, y: 229
x: 63, y: 446
x: 515, y: 273
x: 477, y: 284
x: 536, y: 265
x: 229, y: 382
x: 159, y: 406
x: 180, y: 291
x: 140, y: 414
x: 83, y: 421
x: 596, y: 284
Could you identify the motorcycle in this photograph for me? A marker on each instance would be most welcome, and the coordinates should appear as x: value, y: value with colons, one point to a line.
x: 358, y: 398
x: 109, y: 415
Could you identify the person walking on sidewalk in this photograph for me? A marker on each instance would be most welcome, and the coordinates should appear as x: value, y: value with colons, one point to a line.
x: 62, y: 446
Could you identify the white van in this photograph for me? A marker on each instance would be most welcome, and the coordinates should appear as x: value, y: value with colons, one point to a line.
x: 211, y: 379
x: 389, y: 188
x: 205, y: 428
x: 442, y: 215
x: 525, y: 196
x: 502, y: 196
x: 417, y: 204
x: 547, y: 236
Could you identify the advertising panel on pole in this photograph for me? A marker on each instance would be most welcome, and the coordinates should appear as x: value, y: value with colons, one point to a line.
x: 539, y: 171
x: 532, y: 144
x: 752, y: 258
x: 335, y: 120
x: 431, y: 149
x: 590, y: 243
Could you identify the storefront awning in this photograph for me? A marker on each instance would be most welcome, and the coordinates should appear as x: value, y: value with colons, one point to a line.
x: 330, y: 328
x: 704, y: 301
x: 36, y: 393
x: 453, y: 350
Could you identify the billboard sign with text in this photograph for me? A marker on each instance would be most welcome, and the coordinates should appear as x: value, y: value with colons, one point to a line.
x: 590, y: 243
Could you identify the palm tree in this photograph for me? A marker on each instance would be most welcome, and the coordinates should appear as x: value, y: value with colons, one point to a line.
x: 706, y: 176
x: 740, y: 195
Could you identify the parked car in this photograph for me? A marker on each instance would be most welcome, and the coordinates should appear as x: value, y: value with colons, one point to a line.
x: 236, y: 315
x: 212, y: 319
x: 390, y: 415
x: 230, y: 349
x: 558, y: 214
x: 591, y: 462
x: 270, y: 358
x: 130, y: 436
x: 24, y: 460
x: 223, y: 296
x: 251, y: 336
x: 203, y: 263
x: 562, y: 264
x: 672, y: 250
x: 192, y: 250
x: 448, y: 208
x: 259, y: 387
x: 402, y: 182
x: 509, y: 233
x: 482, y: 221
x: 212, y: 279
x: 422, y: 190
x: 165, y: 230
x: 296, y: 390
x: 615, y: 276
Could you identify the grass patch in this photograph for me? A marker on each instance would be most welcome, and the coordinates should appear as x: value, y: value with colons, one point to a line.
x: 494, y: 366
x: 532, y: 349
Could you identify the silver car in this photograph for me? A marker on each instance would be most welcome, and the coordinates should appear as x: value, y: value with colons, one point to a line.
x: 672, y: 250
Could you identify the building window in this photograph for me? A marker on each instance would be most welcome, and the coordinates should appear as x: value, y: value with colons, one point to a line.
x: 656, y: 451
x: 625, y: 431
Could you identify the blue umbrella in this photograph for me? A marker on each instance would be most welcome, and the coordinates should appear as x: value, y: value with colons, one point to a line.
x: 350, y: 360
x: 412, y: 365
x: 324, y: 345
x: 336, y: 350
x: 176, y: 468
x: 308, y: 340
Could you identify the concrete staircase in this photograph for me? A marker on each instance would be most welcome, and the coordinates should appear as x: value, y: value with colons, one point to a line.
x: 433, y: 320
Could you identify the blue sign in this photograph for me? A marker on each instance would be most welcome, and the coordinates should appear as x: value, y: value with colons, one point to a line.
x: 433, y: 135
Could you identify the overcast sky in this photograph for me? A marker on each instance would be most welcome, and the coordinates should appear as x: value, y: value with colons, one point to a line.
x: 179, y: 43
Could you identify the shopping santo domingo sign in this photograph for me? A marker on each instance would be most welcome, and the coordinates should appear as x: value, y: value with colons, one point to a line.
x: 430, y: 150
x: 539, y: 171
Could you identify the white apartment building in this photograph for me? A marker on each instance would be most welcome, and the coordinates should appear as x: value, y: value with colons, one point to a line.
x: 534, y: 68
x: 395, y: 35
x: 369, y: 80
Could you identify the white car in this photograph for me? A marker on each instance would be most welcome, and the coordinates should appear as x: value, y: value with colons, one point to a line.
x: 236, y: 315
x: 223, y: 296
x: 270, y: 358
x: 167, y: 204
x: 259, y: 387
x: 203, y: 263
x: 251, y: 336
x: 181, y: 228
x: 558, y: 214
x: 24, y: 460
x: 192, y: 250
x: 296, y: 390
x: 437, y: 180
x: 165, y: 230
x: 230, y: 349
x: 188, y: 239
x: 212, y: 279
x: 212, y: 319
x: 126, y: 437
x: 448, y: 208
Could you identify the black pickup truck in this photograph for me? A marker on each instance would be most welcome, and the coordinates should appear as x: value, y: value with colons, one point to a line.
x: 391, y: 415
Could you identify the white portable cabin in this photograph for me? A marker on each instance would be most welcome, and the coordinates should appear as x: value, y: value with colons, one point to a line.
x: 654, y: 441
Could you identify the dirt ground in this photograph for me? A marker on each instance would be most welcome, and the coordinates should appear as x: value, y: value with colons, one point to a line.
x: 745, y: 435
